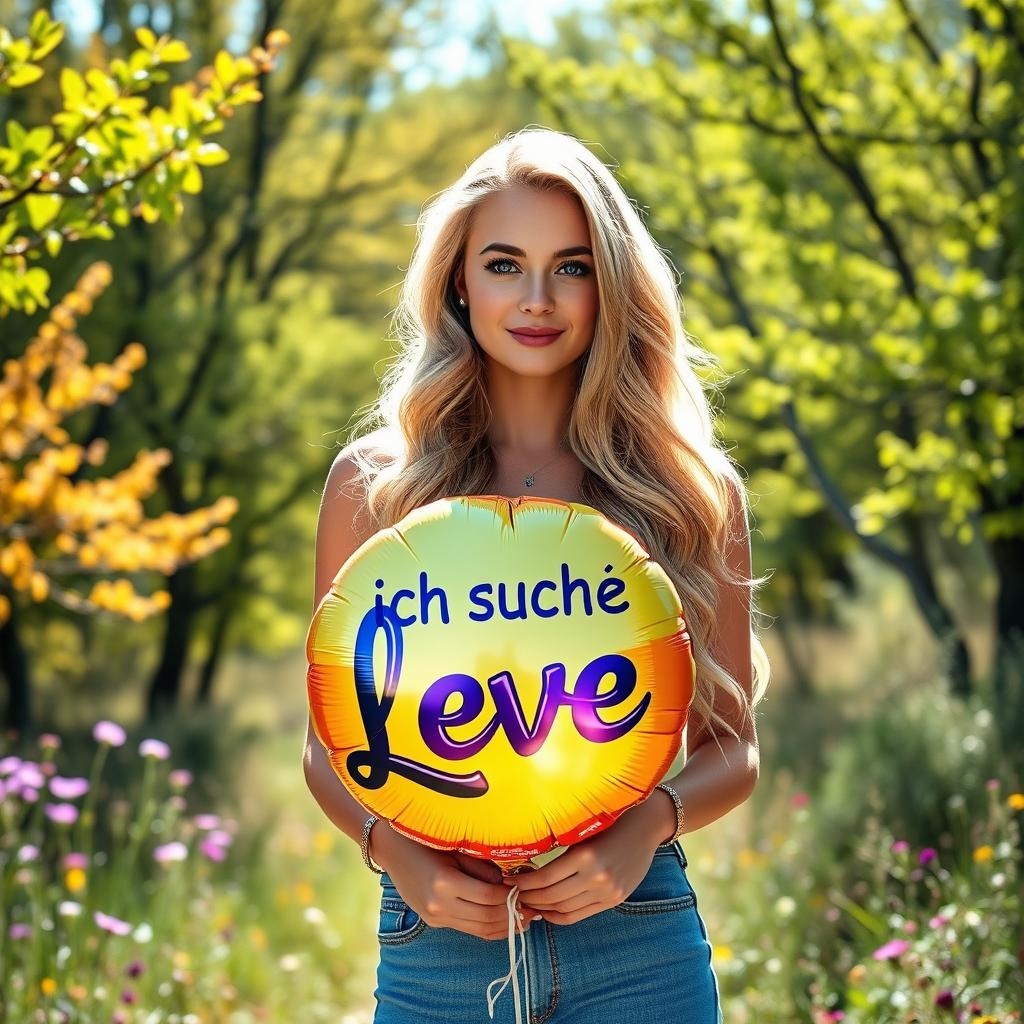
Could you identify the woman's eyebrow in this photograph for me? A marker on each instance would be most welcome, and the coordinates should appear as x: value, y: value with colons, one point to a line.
x: 512, y: 250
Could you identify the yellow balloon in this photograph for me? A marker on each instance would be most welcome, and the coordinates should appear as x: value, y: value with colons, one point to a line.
x: 500, y: 676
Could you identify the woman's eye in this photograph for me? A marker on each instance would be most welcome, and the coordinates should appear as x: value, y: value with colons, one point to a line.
x: 493, y: 264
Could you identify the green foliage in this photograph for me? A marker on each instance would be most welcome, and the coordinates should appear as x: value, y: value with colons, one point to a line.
x: 107, y: 154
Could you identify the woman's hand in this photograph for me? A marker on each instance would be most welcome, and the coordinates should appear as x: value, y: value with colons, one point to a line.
x: 447, y: 889
x: 593, y: 875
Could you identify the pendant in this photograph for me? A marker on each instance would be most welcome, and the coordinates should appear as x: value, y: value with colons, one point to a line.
x: 529, y: 481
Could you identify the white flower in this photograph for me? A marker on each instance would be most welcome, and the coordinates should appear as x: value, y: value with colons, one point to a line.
x: 315, y: 916
x: 785, y: 906
x: 69, y: 908
x: 289, y: 962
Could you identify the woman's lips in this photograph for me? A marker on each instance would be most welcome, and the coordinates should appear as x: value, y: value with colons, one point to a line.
x: 535, y: 341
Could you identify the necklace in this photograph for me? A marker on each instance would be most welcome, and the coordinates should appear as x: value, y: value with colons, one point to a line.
x: 529, y: 480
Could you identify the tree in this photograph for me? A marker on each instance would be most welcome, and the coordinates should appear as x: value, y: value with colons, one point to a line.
x: 105, y: 156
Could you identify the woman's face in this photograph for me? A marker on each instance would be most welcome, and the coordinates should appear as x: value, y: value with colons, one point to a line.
x: 528, y: 263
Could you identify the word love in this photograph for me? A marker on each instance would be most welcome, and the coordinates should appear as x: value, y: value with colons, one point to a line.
x: 371, y: 767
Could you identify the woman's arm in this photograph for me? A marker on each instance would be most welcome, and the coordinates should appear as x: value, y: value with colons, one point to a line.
x: 340, y: 530
x: 710, y: 785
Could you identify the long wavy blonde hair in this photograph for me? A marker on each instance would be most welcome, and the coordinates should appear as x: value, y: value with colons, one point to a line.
x: 640, y: 424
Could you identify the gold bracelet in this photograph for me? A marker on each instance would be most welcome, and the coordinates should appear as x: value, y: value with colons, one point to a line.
x: 679, y: 812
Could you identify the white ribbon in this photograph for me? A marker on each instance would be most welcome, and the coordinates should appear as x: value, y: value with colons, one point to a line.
x: 515, y: 918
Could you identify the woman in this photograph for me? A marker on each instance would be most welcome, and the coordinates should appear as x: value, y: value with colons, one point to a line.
x: 544, y: 354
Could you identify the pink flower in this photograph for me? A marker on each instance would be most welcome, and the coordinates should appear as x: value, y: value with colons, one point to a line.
x: 206, y: 821
x: 155, y: 748
x: 29, y: 774
x: 108, y: 732
x: 944, y: 999
x: 9, y: 765
x: 992, y: 784
x: 910, y: 927
x: 900, y: 846
x: 220, y: 837
x: 29, y: 795
x: 180, y: 778
x: 49, y: 742
x: 799, y: 800
x: 927, y: 854
x: 212, y: 850
x: 28, y: 853
x: 63, y: 814
x: 938, y: 921
x: 170, y: 852
x: 75, y: 860
x: 891, y: 950
x: 19, y: 931
x: 111, y: 924
x: 68, y: 789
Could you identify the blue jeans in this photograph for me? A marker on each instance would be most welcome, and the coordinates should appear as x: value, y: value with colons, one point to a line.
x: 648, y: 959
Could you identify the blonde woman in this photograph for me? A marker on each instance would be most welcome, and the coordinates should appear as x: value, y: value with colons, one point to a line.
x: 544, y: 354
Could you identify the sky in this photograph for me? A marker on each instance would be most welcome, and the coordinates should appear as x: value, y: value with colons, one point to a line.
x: 445, y: 62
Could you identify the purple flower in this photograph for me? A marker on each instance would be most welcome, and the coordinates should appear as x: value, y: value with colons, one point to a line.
x: 27, y: 853
x: 155, y: 748
x: 9, y: 765
x: 111, y: 924
x: 108, y: 732
x: 119, y: 1017
x: 135, y: 969
x: 180, y: 778
x: 938, y: 921
x: 19, y: 931
x: 891, y: 950
x: 128, y: 996
x: 170, y: 852
x: 206, y: 821
x: 29, y: 774
x: 75, y: 860
x: 63, y: 814
x: 49, y: 742
x: 900, y: 846
x: 212, y: 850
x: 68, y: 789
x: 220, y: 837
x: 927, y: 854
x: 29, y: 794
x: 944, y: 999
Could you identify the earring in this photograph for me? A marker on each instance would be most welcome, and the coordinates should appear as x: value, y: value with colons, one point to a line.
x: 462, y: 301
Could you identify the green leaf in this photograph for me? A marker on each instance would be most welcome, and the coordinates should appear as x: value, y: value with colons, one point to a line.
x: 54, y: 34
x: 174, y: 52
x: 54, y: 241
x: 224, y: 64
x: 73, y: 87
x: 209, y: 154
x: 24, y: 75
x: 42, y: 209
x: 146, y: 37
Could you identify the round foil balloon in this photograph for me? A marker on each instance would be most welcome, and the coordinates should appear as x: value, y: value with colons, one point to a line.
x: 500, y: 675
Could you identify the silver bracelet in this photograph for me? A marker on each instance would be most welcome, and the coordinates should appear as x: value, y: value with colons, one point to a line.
x: 367, y: 825
x: 679, y: 812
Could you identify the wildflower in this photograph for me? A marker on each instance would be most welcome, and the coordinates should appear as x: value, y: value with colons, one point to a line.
x: 212, y: 850
x: 9, y: 765
x: 28, y: 853
x: 987, y: 1019
x: 74, y: 880
x: 944, y: 1000
x: 128, y: 996
x: 28, y: 794
x: 891, y: 950
x: 900, y: 846
x: 19, y: 930
x: 169, y: 852
x: 108, y: 732
x: 983, y: 853
x: 144, y: 933
x: 135, y: 969
x: 1015, y: 801
x: 29, y: 774
x: 111, y: 924
x: 63, y: 814
x: 68, y: 789
x: 75, y: 860
x: 155, y: 748
x: 992, y: 784
x: 180, y: 778
x: 205, y: 822
x: 47, y: 986
x: 49, y: 742
x: 927, y: 855
x: 220, y: 837
x: 69, y: 908
x: 799, y: 800
x: 315, y: 916
x: 289, y: 962
x: 784, y: 906
x: 910, y: 927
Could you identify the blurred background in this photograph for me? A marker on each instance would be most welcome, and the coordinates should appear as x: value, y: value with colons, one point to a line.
x: 208, y: 272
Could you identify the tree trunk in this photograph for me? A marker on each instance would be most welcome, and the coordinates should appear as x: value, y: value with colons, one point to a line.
x: 165, y: 686
x: 14, y: 668
x: 209, y: 668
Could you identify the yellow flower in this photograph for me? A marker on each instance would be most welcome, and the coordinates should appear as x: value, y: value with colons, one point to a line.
x: 74, y: 879
x: 48, y: 986
x: 987, y: 1019
x: 181, y: 958
x: 323, y: 842
x: 856, y: 974
x: 1016, y: 802
x: 282, y: 897
x: 722, y: 953
x: 258, y: 937
x: 983, y: 853
x: 304, y: 892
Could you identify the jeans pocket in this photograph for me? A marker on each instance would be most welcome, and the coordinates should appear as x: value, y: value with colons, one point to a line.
x: 664, y: 888
x: 398, y: 922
